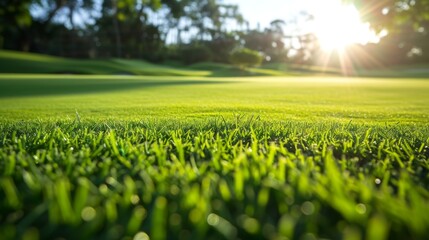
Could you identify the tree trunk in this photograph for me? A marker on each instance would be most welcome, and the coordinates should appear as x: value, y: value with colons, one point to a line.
x: 117, y: 32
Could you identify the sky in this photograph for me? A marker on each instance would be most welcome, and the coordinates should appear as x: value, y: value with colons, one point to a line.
x: 265, y: 11
x: 335, y: 24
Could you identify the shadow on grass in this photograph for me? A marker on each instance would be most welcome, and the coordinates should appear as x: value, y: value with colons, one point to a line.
x: 48, y: 87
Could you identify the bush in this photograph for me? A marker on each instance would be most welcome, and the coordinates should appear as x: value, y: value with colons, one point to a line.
x: 245, y: 58
x: 195, y: 53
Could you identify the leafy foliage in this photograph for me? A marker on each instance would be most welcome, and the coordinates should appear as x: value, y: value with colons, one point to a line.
x: 195, y: 53
x: 245, y: 58
x: 391, y: 13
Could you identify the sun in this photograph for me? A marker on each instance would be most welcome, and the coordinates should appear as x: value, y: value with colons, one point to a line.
x: 338, y: 26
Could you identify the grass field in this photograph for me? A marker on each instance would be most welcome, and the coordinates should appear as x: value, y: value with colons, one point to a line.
x: 18, y: 62
x: 31, y: 63
x: 127, y: 157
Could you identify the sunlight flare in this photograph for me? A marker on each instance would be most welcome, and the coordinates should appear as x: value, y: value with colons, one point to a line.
x: 338, y: 26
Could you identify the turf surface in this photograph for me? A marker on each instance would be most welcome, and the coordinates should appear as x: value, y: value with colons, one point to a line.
x: 31, y: 63
x: 274, y: 98
x: 18, y: 62
x: 125, y: 157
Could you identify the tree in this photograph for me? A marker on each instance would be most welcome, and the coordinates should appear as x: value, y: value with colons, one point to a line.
x: 207, y: 19
x: 132, y: 34
x: 245, y: 57
x: 62, y: 11
x: 269, y: 41
x: 407, y: 24
x: 194, y: 53
x: 222, y: 46
x: 201, y: 25
x: 388, y: 14
x: 33, y: 25
x: 14, y: 19
x: 176, y: 13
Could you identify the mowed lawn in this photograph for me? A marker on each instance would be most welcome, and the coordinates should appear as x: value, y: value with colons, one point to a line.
x: 58, y: 97
x: 126, y: 157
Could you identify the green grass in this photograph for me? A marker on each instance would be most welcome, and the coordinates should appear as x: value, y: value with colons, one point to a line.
x: 144, y: 68
x: 415, y: 71
x: 225, y: 70
x: 303, y: 69
x: 127, y: 157
x: 18, y: 62
x: 132, y: 98
x: 30, y: 63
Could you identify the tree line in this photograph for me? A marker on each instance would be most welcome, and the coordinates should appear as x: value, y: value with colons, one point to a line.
x: 193, y: 31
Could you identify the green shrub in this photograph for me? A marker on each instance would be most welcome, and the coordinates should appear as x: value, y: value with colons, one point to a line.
x: 195, y: 54
x: 245, y: 57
